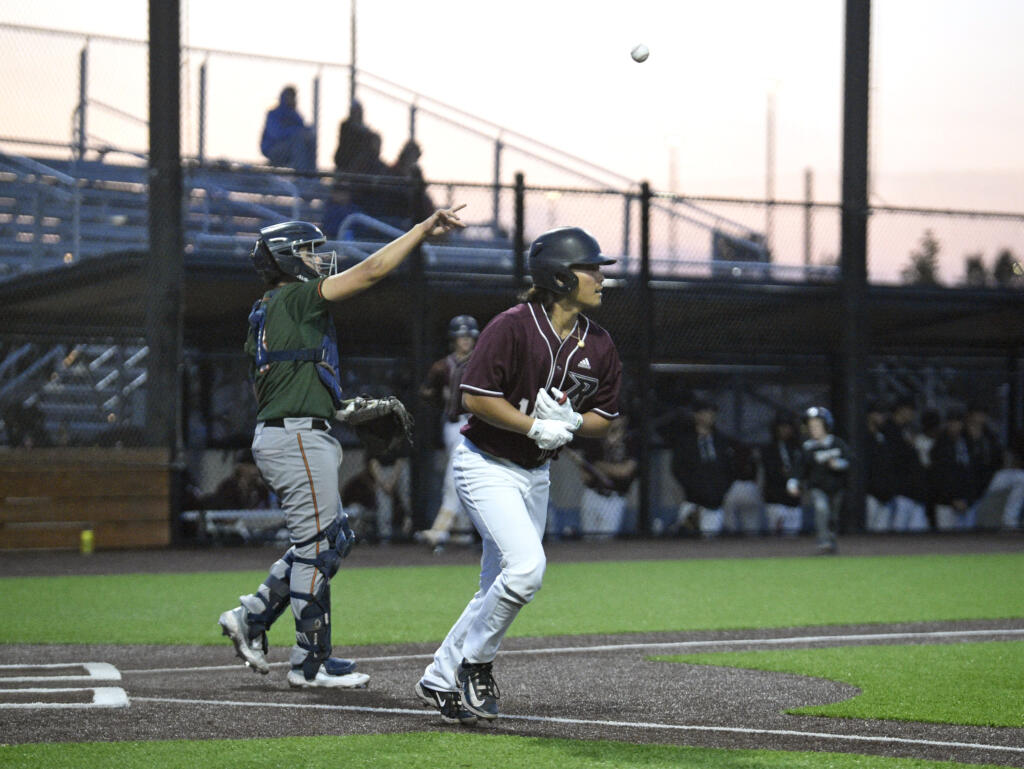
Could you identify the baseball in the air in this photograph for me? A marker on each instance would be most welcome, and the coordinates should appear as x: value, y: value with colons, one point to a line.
x: 640, y: 53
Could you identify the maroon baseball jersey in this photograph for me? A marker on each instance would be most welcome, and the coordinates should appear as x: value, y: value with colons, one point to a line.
x: 442, y: 384
x: 517, y: 354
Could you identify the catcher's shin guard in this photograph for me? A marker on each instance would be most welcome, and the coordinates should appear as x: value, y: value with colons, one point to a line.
x: 313, y: 624
x: 268, y: 603
x: 313, y: 632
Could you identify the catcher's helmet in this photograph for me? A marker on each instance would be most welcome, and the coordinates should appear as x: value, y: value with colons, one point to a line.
x: 822, y: 413
x: 553, y: 255
x: 463, y: 325
x: 289, y: 248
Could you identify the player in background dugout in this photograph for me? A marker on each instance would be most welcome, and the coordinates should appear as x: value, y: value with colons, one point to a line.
x: 441, y: 388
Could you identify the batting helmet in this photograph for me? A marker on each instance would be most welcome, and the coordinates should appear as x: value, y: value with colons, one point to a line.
x: 822, y: 413
x: 556, y: 252
x: 463, y: 325
x: 289, y: 248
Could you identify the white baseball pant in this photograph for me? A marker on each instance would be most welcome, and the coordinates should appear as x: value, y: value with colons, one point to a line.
x: 508, y: 506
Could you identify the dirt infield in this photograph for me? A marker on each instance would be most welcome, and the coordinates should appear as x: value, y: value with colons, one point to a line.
x: 581, y: 687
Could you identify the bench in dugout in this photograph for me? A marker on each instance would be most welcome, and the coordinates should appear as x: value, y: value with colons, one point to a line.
x: 249, y: 526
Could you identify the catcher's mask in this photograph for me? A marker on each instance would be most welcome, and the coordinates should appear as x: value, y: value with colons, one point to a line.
x: 289, y: 249
x: 556, y: 252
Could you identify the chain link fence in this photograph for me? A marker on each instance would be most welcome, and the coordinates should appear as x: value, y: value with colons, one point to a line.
x: 742, y: 310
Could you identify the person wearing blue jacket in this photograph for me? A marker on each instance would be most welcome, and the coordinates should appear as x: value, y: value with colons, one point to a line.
x: 287, y: 141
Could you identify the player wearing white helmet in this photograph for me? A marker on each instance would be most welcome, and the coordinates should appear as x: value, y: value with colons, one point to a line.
x: 825, y: 462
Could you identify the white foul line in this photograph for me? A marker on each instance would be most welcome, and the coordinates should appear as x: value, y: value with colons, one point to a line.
x: 734, y: 642
x: 594, y: 722
x: 936, y: 634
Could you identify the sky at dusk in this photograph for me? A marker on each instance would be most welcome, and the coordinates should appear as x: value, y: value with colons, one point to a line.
x: 947, y: 107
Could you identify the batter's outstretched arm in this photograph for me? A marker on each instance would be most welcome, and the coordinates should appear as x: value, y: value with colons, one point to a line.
x: 361, y: 276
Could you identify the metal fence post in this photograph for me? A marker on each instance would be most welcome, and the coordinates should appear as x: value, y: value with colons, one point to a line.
x: 202, y: 112
x: 83, y: 95
x: 519, y: 236
x: 422, y: 445
x: 496, y: 202
x: 165, y: 273
x: 853, y: 264
x: 645, y: 395
x: 627, y: 225
x: 316, y: 116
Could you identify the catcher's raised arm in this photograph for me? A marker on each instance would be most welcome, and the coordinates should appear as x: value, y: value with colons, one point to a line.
x: 361, y: 276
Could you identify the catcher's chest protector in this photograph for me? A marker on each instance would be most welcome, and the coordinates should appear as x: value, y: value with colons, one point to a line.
x: 325, y: 356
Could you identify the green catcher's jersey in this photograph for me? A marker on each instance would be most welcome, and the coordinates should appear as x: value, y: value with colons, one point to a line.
x: 297, y: 318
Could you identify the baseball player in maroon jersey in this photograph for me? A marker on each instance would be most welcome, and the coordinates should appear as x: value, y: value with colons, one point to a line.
x: 541, y: 372
x: 442, y: 388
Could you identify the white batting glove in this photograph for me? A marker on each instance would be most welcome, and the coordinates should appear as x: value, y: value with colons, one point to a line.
x: 558, y: 408
x: 549, y: 434
x: 793, y: 487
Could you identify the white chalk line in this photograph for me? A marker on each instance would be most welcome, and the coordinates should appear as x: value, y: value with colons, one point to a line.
x: 595, y: 722
x: 714, y: 643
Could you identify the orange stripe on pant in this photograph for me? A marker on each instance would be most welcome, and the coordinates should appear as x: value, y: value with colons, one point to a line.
x: 316, y: 506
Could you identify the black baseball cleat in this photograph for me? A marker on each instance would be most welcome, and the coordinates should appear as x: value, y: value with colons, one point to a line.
x: 448, y: 703
x: 479, y: 690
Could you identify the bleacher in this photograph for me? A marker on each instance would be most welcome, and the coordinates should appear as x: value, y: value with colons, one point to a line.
x: 54, y: 212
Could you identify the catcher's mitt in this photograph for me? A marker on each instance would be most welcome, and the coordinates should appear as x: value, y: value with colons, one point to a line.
x: 382, y: 424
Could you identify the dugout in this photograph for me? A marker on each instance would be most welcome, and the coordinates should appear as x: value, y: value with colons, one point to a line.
x: 711, y: 334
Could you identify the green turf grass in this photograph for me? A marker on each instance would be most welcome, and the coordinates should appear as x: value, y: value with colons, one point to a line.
x: 427, y: 751
x: 393, y: 605
x: 981, y: 684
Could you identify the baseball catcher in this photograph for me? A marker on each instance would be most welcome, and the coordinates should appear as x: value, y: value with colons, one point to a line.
x: 294, y: 368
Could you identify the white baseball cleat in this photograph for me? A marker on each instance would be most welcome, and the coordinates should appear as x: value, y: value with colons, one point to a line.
x: 298, y: 680
x: 252, y: 651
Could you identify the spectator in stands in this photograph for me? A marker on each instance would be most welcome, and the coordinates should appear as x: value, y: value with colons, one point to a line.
x: 607, y: 469
x: 287, y: 141
x: 702, y: 463
x: 743, y: 504
x: 821, y: 475
x: 779, y: 459
x: 408, y: 199
x: 879, y: 471
x: 909, y: 504
x: 984, y: 446
x: 953, y: 475
x: 358, y: 149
